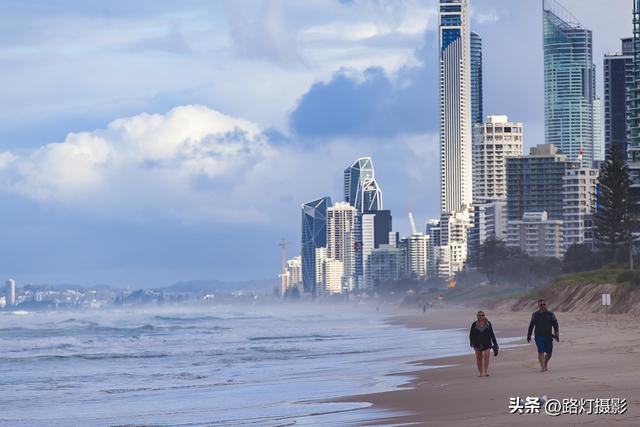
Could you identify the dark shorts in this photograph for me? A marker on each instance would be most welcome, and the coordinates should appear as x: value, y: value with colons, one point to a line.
x: 544, y: 344
x: 482, y: 347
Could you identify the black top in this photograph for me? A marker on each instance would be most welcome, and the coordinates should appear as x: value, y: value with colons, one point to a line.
x: 543, y: 322
x: 482, y: 338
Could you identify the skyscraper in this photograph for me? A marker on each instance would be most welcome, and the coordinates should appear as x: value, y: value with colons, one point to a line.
x: 372, y: 230
x: 535, y: 183
x: 618, y: 79
x: 494, y: 141
x: 314, y: 235
x: 477, y: 114
x: 579, y: 203
x: 360, y: 187
x: 341, y: 233
x: 455, y: 107
x: 569, y: 85
x: 633, y: 112
x: 371, y: 196
x: 10, y: 292
x: 634, y: 94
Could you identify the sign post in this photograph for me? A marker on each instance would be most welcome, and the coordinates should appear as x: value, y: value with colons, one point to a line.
x: 606, y: 301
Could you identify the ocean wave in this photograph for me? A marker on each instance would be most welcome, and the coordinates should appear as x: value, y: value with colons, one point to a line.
x: 315, y: 337
x: 187, y: 318
x: 86, y: 356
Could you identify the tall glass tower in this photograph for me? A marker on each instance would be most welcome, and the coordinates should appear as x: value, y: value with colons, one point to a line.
x: 360, y: 187
x: 569, y: 85
x: 633, y: 112
x: 455, y: 107
x: 477, y: 115
x: 314, y: 235
x: 618, y: 81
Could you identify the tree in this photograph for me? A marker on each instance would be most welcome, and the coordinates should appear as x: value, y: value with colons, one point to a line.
x: 611, y: 218
x: 580, y: 258
x: 492, y: 253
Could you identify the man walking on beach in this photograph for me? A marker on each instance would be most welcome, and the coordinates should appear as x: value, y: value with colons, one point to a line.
x: 544, y: 321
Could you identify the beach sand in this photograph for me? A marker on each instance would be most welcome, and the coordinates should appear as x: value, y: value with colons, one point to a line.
x: 591, y: 361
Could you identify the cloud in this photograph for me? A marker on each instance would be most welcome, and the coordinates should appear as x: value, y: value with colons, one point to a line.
x: 266, y: 37
x: 197, y: 165
x: 190, y: 164
x: 486, y: 17
x: 372, y: 103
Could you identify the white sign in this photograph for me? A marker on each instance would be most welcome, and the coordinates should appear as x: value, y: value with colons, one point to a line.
x: 606, y: 299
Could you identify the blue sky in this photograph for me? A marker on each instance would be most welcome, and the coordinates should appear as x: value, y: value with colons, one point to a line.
x: 147, y: 142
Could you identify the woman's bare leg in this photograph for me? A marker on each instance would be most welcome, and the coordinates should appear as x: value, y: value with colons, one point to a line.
x: 486, y: 356
x: 479, y: 362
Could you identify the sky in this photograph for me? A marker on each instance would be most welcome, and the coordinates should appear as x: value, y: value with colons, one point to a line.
x: 148, y: 142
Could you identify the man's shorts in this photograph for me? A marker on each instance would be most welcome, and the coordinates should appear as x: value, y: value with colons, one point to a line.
x: 544, y: 344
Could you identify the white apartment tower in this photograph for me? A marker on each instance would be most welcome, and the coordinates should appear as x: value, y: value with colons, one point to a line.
x: 417, y: 258
x: 579, y: 189
x: 455, y: 107
x: 495, y: 140
x: 294, y: 271
x: 341, y: 236
x: 536, y: 235
x: 332, y: 274
x: 10, y: 292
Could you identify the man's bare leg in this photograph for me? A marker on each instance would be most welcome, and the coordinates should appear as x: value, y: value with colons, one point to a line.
x: 541, y: 359
x: 546, y: 360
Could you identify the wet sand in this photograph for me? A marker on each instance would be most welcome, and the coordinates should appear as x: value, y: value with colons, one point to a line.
x: 592, y: 360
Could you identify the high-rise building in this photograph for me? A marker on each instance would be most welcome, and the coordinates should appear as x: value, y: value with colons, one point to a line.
x: 360, y: 187
x: 341, y: 238
x: 494, y: 141
x: 489, y: 222
x: 634, y: 93
x: 333, y: 276
x: 569, y: 84
x: 371, y: 196
x: 535, y: 183
x: 579, y: 204
x: 314, y: 235
x: 597, y: 132
x: 366, y: 226
x: 10, y: 292
x: 385, y: 264
x: 294, y: 272
x: 633, y: 113
x: 536, y: 235
x: 618, y: 79
x: 373, y: 229
x: 433, y: 230
x: 454, y: 233
x: 416, y: 261
x: 455, y: 107
x: 321, y: 256
x: 477, y: 114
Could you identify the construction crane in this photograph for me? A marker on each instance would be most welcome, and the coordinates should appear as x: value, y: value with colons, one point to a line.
x: 283, y: 274
x: 414, y: 230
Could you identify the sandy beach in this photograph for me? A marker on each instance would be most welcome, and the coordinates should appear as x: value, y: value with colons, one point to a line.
x: 593, y: 360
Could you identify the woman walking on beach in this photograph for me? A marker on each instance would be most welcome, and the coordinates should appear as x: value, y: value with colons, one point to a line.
x: 482, y: 339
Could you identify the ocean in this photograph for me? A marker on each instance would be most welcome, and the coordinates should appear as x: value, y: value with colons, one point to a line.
x: 206, y: 365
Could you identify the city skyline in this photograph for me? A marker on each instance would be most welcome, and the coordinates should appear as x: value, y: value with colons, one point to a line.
x: 45, y: 206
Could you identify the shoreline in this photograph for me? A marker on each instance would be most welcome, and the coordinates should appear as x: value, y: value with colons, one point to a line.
x: 592, y: 361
